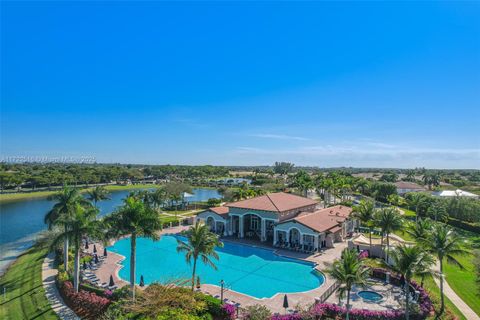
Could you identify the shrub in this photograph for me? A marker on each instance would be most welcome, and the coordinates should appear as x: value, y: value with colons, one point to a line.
x: 214, y: 305
x: 177, y: 314
x: 86, y: 303
x: 256, y: 312
x: 228, y: 311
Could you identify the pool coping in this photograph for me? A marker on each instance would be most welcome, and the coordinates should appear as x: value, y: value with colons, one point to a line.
x: 314, y: 264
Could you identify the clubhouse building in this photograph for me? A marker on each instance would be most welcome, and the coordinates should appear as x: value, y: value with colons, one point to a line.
x: 283, y: 219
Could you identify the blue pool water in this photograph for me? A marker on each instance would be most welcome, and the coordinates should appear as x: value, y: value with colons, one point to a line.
x: 370, y: 295
x: 249, y: 270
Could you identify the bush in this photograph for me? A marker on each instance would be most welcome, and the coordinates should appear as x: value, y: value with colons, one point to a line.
x: 256, y: 312
x: 214, y: 305
x: 87, y: 304
x: 177, y: 314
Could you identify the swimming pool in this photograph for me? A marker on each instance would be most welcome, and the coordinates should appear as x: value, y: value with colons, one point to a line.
x: 253, y: 271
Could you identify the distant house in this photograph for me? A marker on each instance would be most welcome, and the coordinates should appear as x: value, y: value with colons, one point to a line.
x: 405, y: 187
x: 455, y: 193
x: 282, y: 219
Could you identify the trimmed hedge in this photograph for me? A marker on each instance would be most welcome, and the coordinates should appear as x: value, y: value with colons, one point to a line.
x: 464, y: 225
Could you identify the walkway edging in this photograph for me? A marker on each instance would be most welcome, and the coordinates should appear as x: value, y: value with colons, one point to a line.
x: 49, y: 274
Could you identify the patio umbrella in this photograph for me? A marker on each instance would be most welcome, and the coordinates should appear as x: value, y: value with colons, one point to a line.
x: 84, y: 265
x: 142, y: 283
x: 111, y: 283
x: 86, y: 244
x: 105, y: 252
x: 94, y: 249
x: 96, y: 259
x: 285, y: 303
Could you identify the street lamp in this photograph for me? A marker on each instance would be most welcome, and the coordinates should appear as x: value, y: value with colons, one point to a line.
x: 222, y: 284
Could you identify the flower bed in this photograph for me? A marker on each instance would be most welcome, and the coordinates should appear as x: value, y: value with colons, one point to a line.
x: 332, y: 311
x: 84, y: 303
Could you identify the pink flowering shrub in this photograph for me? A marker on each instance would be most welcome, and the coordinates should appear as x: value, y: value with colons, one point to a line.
x: 87, y: 304
x: 229, y: 311
x: 296, y: 316
x: 363, y: 255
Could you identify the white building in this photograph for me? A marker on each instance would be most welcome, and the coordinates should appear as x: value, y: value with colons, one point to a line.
x: 455, y: 193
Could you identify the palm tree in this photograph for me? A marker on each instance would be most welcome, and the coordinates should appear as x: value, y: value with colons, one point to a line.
x: 444, y: 243
x: 365, y: 212
x: 136, y: 219
x: 349, y: 271
x: 303, y: 182
x: 98, y: 193
x: 410, y: 261
x: 414, y: 200
x: 158, y: 197
x: 389, y: 220
x: 420, y: 230
x: 66, y: 201
x: 201, y: 244
x: 81, y: 222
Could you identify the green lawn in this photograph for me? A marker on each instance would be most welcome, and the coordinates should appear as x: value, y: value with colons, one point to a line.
x: 25, y: 298
x: 462, y: 281
x: 5, y: 197
x: 434, y: 293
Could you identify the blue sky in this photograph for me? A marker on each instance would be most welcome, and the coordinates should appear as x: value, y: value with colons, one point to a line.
x: 378, y: 84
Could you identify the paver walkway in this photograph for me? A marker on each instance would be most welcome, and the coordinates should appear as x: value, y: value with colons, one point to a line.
x: 456, y: 300
x: 51, y: 292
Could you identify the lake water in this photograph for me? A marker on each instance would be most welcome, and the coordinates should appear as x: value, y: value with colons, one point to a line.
x: 21, y: 221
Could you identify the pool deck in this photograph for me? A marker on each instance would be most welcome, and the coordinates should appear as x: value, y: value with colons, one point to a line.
x: 111, y: 266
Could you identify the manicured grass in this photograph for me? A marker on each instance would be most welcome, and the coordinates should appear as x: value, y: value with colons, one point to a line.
x: 5, y: 197
x: 462, y: 281
x: 434, y: 293
x: 25, y: 298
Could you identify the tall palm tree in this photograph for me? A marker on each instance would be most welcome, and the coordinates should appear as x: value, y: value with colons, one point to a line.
x: 303, y: 182
x: 389, y: 220
x: 158, y: 197
x: 136, y: 219
x: 98, y: 193
x: 66, y: 202
x: 410, y: 261
x: 81, y: 222
x: 420, y: 230
x: 415, y: 199
x: 349, y: 271
x: 201, y: 244
x: 444, y: 243
x: 365, y: 213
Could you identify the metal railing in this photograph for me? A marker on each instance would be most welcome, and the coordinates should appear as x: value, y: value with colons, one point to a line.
x: 324, y: 296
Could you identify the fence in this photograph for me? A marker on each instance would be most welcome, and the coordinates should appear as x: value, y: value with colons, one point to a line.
x: 334, y: 286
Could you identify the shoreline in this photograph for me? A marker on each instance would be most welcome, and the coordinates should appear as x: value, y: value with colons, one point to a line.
x: 19, y: 196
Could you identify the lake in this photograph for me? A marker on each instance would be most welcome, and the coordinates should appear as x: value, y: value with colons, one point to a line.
x: 21, y: 221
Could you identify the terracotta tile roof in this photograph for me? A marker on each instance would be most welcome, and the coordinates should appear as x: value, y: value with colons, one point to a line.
x: 221, y: 211
x: 408, y: 185
x: 276, y: 202
x: 324, y: 219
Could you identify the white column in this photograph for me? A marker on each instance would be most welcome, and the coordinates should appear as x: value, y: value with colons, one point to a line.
x: 240, y: 227
x: 275, y: 238
x: 301, y: 238
x: 225, y: 231
x: 315, y: 241
x: 287, y: 234
x: 263, y: 228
